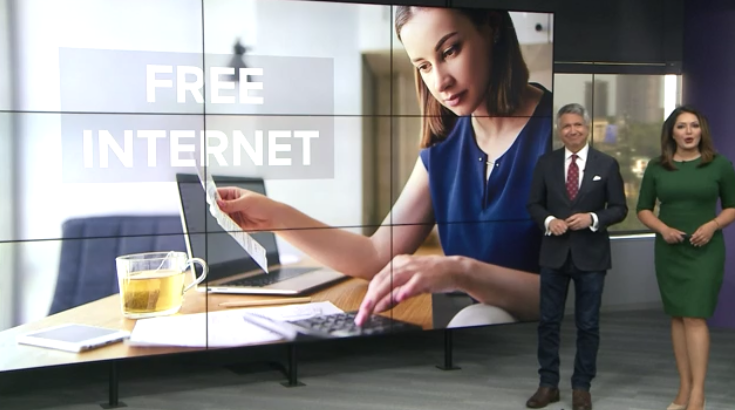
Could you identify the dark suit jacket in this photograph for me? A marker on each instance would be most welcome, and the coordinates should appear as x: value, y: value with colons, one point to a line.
x: 602, y: 192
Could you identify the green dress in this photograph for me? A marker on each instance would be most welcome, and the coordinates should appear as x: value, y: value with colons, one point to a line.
x: 689, y: 277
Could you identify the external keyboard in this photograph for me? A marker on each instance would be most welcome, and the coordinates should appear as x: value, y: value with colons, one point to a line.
x: 343, y: 325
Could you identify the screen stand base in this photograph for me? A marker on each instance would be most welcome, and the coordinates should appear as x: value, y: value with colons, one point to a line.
x: 113, y: 402
x: 448, y: 364
x: 291, y: 370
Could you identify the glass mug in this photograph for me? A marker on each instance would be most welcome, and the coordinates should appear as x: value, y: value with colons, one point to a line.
x: 152, y: 283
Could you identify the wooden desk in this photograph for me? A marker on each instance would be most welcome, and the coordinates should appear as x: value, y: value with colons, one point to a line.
x: 346, y: 295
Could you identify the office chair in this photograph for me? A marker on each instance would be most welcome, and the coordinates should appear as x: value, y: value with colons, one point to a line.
x: 90, y: 245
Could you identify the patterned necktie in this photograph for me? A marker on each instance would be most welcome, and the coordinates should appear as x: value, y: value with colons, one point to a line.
x: 573, y: 178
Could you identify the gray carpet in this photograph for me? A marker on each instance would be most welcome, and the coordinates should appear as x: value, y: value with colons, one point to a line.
x: 498, y: 371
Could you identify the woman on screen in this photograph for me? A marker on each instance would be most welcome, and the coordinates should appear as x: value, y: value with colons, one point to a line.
x: 484, y: 127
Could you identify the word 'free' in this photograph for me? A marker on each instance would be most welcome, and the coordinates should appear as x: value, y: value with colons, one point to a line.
x: 190, y: 80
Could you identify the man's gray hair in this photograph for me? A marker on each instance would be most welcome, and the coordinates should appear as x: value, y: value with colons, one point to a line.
x: 573, y: 108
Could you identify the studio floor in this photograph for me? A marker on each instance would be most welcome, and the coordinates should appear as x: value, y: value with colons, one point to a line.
x: 497, y: 371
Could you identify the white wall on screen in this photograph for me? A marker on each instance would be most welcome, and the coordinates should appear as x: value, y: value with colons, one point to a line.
x: 42, y: 27
x: 7, y: 254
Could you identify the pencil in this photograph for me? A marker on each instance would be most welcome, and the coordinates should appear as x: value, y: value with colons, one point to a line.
x: 269, y: 302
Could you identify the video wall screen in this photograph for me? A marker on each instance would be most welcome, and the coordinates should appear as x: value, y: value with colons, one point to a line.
x: 224, y: 173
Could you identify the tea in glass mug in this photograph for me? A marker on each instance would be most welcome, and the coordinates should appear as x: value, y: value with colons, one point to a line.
x: 153, y: 283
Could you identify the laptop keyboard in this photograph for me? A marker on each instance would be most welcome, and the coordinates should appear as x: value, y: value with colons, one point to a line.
x: 343, y: 325
x: 265, y: 279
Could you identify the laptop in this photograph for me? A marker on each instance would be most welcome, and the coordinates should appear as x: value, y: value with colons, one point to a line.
x: 231, y: 269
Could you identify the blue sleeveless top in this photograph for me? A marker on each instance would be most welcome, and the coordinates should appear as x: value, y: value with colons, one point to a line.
x: 487, y: 219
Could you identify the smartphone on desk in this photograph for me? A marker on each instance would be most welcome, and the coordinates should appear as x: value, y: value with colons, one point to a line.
x: 74, y: 338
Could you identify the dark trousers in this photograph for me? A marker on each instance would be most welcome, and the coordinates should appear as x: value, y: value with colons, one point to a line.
x: 588, y: 296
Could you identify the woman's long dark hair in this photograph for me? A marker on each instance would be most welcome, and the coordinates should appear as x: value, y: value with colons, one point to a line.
x: 668, y: 143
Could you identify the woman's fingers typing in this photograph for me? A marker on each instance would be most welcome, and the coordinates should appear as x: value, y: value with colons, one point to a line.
x: 382, y: 286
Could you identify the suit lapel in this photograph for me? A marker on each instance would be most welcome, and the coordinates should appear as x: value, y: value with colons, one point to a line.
x: 559, y: 174
x: 590, y: 170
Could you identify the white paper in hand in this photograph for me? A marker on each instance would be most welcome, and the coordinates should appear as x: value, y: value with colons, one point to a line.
x: 251, y: 246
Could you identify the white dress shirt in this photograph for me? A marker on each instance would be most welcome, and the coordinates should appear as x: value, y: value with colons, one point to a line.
x: 581, y: 162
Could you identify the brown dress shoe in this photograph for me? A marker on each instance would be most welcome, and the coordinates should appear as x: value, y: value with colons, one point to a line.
x: 542, y: 397
x: 581, y: 400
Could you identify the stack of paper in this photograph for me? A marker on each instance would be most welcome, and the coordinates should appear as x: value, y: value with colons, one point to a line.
x: 227, y: 328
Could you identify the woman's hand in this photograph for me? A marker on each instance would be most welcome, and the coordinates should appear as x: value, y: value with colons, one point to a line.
x: 672, y: 236
x: 249, y: 210
x: 407, y: 276
x: 703, y: 234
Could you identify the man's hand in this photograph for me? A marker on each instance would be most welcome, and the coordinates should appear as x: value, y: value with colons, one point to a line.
x: 557, y: 227
x: 578, y: 222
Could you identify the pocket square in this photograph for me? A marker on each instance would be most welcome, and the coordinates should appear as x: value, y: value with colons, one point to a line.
x: 596, y: 178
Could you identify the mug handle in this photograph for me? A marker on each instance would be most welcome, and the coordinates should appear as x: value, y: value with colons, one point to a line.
x: 205, y: 270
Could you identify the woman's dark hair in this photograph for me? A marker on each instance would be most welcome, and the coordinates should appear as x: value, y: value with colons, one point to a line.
x: 668, y: 143
x: 508, y: 77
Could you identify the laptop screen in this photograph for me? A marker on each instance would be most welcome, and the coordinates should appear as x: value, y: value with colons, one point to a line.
x: 207, y: 240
